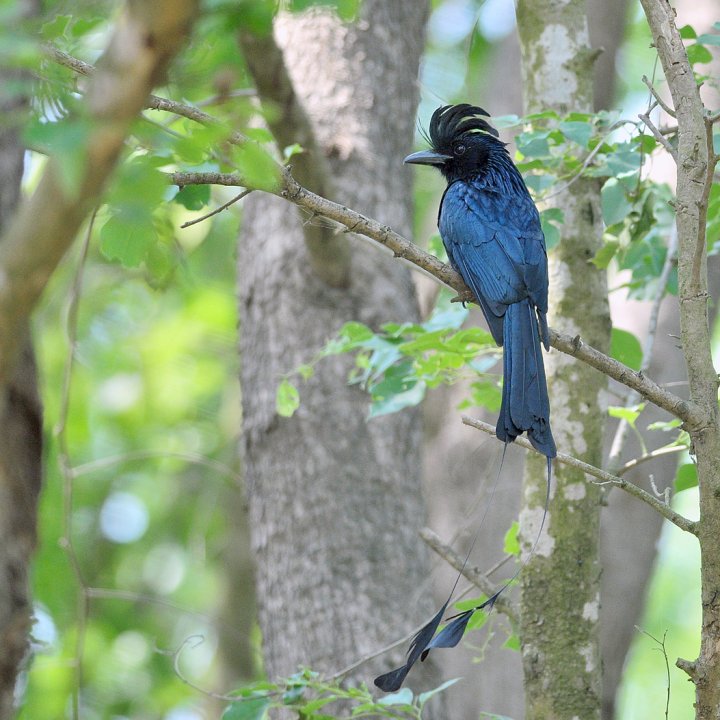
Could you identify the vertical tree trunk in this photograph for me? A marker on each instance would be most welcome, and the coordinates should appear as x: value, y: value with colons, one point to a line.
x: 20, y: 446
x: 335, y: 500
x: 696, y: 163
x: 560, y: 587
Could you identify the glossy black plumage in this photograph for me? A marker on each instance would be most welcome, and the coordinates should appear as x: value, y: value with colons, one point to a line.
x: 491, y: 230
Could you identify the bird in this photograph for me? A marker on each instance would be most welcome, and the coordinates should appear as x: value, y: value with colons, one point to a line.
x: 491, y: 231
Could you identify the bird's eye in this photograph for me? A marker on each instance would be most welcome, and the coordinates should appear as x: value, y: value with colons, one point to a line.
x: 460, y: 149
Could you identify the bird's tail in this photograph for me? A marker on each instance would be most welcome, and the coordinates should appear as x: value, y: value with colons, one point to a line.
x: 525, y: 403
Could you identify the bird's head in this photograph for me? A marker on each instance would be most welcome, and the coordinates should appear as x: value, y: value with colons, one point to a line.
x: 461, y: 141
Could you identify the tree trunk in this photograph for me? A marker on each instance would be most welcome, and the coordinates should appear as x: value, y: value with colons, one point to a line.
x: 20, y: 450
x: 335, y: 499
x: 560, y: 596
x: 696, y: 162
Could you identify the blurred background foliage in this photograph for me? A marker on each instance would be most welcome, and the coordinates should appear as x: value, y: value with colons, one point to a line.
x: 141, y: 462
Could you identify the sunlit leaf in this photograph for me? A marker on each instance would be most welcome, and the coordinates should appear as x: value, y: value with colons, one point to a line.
x: 247, y: 709
x: 193, y: 197
x: 424, y: 697
x: 511, y: 542
x: 628, y: 414
x: 686, y: 477
x: 287, y: 399
x: 402, y: 697
x: 626, y: 348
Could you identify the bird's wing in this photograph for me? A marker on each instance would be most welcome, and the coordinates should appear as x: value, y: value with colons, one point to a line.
x: 496, y: 243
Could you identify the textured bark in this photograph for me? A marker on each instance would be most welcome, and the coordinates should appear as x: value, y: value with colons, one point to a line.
x: 560, y: 587
x: 20, y: 443
x: 696, y: 163
x: 335, y: 500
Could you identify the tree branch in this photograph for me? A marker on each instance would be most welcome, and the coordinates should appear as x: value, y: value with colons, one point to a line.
x: 152, y: 102
x: 603, y: 476
x: 402, y: 248
x: 355, y: 222
x: 659, y: 136
x: 478, y: 579
x: 143, y: 43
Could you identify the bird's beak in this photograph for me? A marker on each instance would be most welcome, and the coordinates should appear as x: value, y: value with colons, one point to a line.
x: 427, y: 157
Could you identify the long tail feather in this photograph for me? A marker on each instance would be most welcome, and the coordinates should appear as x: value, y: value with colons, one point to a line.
x: 525, y: 404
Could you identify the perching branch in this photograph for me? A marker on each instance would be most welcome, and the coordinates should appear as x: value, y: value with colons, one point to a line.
x: 604, y: 477
x: 143, y: 43
x: 355, y: 222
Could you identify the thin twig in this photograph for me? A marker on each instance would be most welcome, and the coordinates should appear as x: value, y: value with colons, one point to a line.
x: 666, y: 450
x: 659, y: 136
x: 153, y: 102
x: 65, y: 465
x: 603, y: 476
x: 590, y: 157
x: 478, y: 579
x: 663, y: 650
x: 657, y: 97
x: 224, y: 206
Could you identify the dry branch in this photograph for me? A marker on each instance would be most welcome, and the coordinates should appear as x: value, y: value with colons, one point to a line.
x: 603, y: 476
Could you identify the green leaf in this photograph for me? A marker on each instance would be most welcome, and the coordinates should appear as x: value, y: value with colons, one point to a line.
x: 615, y: 205
x: 511, y: 544
x: 356, y: 332
x: 707, y: 39
x: 287, y: 399
x: 533, y: 144
x: 578, y: 132
x: 698, y: 54
x: 629, y: 414
x: 626, y: 348
x: 687, y: 32
x: 686, y: 477
x: 665, y: 426
x: 402, y: 697
x: 126, y: 241
x: 487, y: 394
x: 391, y: 403
x: 424, y: 697
x: 605, y: 254
x: 56, y: 27
x: 292, y: 150
x: 548, y: 220
x: 193, y: 197
x: 513, y: 642
x: 247, y: 709
x: 257, y: 166
x: 66, y: 140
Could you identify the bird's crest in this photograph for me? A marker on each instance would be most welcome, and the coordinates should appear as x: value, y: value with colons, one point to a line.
x: 450, y: 121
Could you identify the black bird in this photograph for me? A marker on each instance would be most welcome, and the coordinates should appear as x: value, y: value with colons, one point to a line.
x: 491, y: 230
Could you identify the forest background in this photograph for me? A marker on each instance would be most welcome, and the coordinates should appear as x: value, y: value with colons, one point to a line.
x: 144, y: 582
